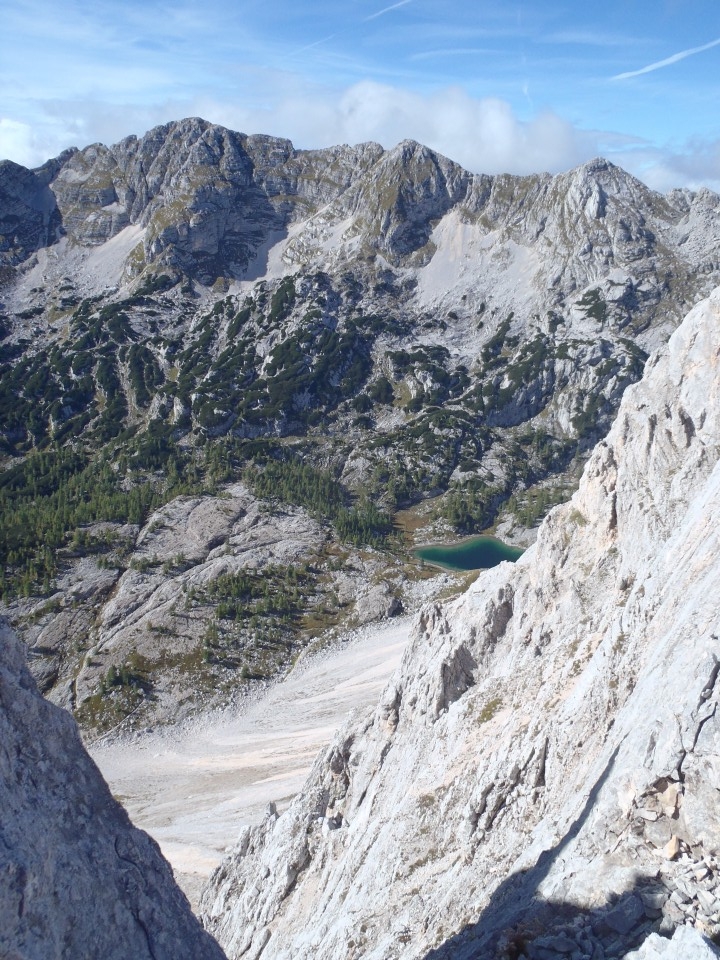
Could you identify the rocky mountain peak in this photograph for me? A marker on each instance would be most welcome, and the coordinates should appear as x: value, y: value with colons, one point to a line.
x: 209, y: 200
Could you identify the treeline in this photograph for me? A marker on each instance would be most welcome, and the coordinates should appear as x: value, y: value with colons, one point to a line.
x: 50, y: 495
x: 298, y: 483
x: 531, y: 506
x: 47, y: 498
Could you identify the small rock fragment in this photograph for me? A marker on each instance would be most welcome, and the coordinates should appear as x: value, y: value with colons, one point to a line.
x: 671, y: 848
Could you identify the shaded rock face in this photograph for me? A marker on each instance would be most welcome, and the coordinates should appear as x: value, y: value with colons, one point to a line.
x: 208, y: 197
x: 76, y: 878
x: 29, y: 218
x: 540, y: 778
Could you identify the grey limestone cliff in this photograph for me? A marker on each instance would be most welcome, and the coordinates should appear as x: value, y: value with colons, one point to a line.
x: 76, y: 878
x: 540, y: 778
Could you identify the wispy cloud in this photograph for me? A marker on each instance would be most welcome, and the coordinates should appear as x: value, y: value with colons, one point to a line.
x: 589, y: 38
x: 311, y: 46
x: 668, y: 61
x: 451, y: 52
x: 381, y: 13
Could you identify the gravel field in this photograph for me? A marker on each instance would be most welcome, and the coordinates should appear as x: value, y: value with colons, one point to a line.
x: 193, y: 787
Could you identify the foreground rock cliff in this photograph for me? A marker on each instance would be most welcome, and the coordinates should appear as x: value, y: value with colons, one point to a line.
x: 542, y: 776
x: 76, y: 878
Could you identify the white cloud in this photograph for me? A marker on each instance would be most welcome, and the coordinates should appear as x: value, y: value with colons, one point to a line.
x: 698, y: 165
x: 32, y: 144
x: 483, y: 135
x: 591, y: 38
x: 444, y: 52
x: 16, y: 142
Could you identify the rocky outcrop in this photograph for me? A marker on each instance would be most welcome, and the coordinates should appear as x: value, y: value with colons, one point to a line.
x: 540, y: 778
x: 157, y: 615
x: 76, y: 878
x: 683, y: 944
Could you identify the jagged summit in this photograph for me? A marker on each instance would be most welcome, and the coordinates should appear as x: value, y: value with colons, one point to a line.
x: 208, y: 199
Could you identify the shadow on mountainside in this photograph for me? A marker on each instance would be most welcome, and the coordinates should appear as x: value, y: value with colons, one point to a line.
x: 518, y: 923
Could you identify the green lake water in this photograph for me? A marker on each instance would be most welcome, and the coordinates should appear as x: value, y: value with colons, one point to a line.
x: 476, y: 553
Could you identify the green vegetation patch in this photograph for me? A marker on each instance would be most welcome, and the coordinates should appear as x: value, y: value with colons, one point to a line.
x: 594, y: 305
x: 292, y: 481
x: 46, y: 500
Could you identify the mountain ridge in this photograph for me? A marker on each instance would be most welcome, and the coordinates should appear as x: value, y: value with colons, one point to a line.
x: 139, y: 168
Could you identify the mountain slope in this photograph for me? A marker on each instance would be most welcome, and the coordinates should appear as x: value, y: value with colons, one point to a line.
x: 76, y: 878
x: 542, y: 773
x: 197, y: 307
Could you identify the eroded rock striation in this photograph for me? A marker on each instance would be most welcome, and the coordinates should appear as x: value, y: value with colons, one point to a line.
x: 76, y: 878
x: 541, y: 777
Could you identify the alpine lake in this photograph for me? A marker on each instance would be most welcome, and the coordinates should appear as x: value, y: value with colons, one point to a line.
x: 475, y: 553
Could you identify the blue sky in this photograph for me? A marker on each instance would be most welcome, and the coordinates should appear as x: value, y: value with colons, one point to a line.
x: 515, y: 87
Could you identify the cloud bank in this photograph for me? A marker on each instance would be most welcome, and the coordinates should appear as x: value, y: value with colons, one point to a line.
x: 484, y: 135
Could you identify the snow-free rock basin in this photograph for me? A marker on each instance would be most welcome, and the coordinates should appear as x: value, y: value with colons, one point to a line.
x: 193, y: 788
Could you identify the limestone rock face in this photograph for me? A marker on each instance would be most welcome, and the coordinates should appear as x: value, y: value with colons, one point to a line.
x: 29, y: 218
x: 207, y: 197
x: 683, y: 944
x: 155, y: 612
x: 210, y: 202
x: 76, y: 878
x: 542, y: 774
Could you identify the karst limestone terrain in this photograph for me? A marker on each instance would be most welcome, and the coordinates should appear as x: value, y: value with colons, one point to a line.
x: 236, y: 379
x: 540, y: 778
